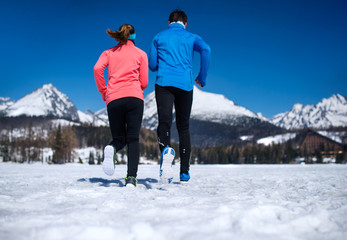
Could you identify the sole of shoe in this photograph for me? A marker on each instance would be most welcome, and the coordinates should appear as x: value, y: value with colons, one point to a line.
x: 184, y: 182
x: 130, y: 185
x: 108, y: 164
x: 166, y: 172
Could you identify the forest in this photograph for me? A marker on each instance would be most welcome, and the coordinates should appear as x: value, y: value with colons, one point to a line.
x: 27, y: 143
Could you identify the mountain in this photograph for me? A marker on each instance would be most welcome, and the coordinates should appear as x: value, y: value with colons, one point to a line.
x: 5, y: 102
x: 215, y: 120
x: 99, y: 118
x: 207, y: 107
x: 150, y: 116
x: 44, y: 101
x: 218, y: 109
x: 331, y: 112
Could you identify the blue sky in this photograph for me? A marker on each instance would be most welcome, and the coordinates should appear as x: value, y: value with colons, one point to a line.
x: 266, y: 55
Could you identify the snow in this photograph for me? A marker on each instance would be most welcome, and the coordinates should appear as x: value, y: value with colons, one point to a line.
x: 46, y: 100
x: 5, y: 102
x: 75, y: 201
x: 99, y: 118
x: 260, y: 116
x: 64, y: 123
x: 102, y: 117
x: 206, y: 107
x: 49, y: 101
x: 336, y: 136
x: 36, y: 131
x: 150, y: 117
x: 84, y: 153
x: 327, y: 113
x: 24, y: 133
x: 214, y: 107
x: 84, y: 117
x: 280, y: 138
x: 247, y: 137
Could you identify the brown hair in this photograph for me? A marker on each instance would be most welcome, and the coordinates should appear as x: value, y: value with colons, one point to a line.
x: 123, y: 33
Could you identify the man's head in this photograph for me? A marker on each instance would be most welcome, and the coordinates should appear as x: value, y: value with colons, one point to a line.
x: 178, y: 16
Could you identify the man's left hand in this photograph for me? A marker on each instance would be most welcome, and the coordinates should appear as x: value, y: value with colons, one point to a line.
x: 198, y: 82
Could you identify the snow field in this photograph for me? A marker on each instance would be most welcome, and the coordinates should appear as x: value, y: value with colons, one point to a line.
x: 75, y: 201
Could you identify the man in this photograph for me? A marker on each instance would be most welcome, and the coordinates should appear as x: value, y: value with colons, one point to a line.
x: 171, y: 55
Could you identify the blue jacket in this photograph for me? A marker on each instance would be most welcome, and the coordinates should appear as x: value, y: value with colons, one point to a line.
x: 171, y: 54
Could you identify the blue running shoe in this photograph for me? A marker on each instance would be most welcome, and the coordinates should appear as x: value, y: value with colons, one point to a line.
x: 184, y: 177
x: 166, y: 160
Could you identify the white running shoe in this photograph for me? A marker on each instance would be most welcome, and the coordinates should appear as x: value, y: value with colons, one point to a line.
x: 166, y: 160
x: 109, y: 162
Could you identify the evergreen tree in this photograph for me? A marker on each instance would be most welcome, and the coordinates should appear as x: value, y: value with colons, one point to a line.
x: 58, y: 147
x: 290, y: 153
x: 4, y: 148
x: 91, y: 158
x: 98, y: 157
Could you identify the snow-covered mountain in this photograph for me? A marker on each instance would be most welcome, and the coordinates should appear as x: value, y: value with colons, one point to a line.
x: 44, y: 101
x: 208, y: 107
x: 331, y: 112
x: 99, y: 118
x: 217, y: 108
x: 5, y: 102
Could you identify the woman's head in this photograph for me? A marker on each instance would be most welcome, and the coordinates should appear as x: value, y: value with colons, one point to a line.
x: 123, y: 33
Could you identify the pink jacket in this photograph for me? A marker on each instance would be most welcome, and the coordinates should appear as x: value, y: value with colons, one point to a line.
x: 127, y: 72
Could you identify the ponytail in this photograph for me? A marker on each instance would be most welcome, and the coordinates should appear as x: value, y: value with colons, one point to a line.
x: 123, y: 33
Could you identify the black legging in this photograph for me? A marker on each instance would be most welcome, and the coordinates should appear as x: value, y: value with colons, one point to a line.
x: 166, y: 97
x: 125, y: 117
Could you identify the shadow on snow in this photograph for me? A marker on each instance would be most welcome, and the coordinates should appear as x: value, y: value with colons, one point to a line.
x: 120, y: 182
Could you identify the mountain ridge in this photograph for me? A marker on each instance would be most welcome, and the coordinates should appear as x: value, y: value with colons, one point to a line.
x: 5, y: 102
x: 44, y: 101
x: 207, y: 107
x: 329, y: 112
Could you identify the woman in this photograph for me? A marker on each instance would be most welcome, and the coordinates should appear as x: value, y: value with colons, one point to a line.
x: 127, y: 78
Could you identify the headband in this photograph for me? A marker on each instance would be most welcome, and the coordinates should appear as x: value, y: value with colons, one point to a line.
x: 132, y: 36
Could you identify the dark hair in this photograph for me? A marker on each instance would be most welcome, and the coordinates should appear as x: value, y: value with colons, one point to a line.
x: 123, y: 33
x: 178, y: 15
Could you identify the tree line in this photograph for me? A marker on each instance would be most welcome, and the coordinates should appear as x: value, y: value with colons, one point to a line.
x: 28, y: 143
x: 245, y: 154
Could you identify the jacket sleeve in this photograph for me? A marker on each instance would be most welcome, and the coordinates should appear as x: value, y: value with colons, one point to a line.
x: 205, y: 55
x: 99, y: 69
x: 153, y: 56
x: 144, y: 71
